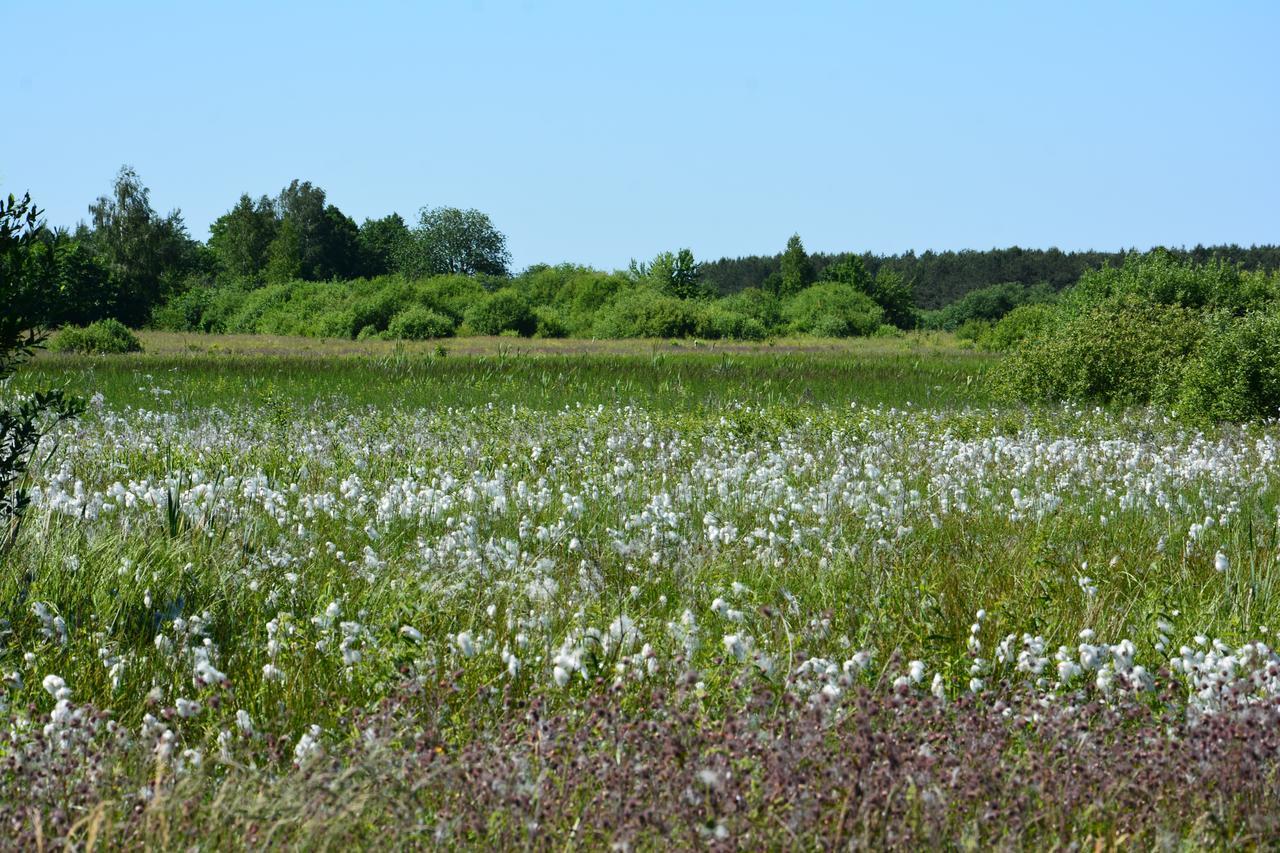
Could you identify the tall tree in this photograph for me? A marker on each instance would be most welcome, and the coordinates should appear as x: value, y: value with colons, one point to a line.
x: 379, y: 239
x: 342, y: 257
x: 241, y: 237
x: 144, y: 253
x: 797, y: 269
x: 284, y: 255
x: 674, y: 273
x: 450, y: 240
x: 303, y: 205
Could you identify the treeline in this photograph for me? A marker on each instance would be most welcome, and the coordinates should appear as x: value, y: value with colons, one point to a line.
x: 940, y: 278
x: 294, y: 263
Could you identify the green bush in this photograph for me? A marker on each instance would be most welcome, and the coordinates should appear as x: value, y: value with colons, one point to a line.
x: 378, y: 308
x: 257, y: 305
x: 986, y: 303
x: 1021, y: 323
x: 449, y: 294
x: 760, y: 305
x: 103, y: 336
x: 646, y: 313
x: 502, y: 311
x: 888, y: 330
x: 832, y: 310
x: 974, y: 330
x: 1235, y: 375
x: 1124, y: 351
x: 1161, y: 278
x: 419, y: 323
x: 549, y: 323
x: 716, y: 322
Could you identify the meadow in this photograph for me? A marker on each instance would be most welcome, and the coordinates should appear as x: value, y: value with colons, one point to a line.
x: 632, y: 594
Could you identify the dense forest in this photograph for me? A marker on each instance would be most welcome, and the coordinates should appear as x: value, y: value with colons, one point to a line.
x: 294, y: 263
x: 941, y: 278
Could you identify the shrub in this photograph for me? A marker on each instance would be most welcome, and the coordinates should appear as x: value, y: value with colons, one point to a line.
x: 1021, y: 323
x: 104, y: 336
x: 888, y: 330
x: 1125, y: 351
x: 449, y: 294
x: 974, y: 330
x: 646, y: 313
x: 1161, y: 278
x: 549, y: 324
x: 832, y: 310
x: 185, y: 311
x: 1235, y: 375
x: 502, y: 311
x: 715, y: 321
x: 257, y: 305
x: 760, y: 305
x: 378, y: 308
x: 986, y: 303
x: 419, y: 323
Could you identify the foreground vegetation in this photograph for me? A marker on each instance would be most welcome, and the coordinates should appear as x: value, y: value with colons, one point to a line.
x: 729, y: 599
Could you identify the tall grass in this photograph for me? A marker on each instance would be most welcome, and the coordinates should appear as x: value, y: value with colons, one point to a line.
x: 255, y: 591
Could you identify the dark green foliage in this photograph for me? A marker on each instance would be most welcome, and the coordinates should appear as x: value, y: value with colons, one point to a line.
x: 26, y: 298
x: 896, y: 297
x: 379, y: 239
x: 419, y: 323
x: 987, y: 304
x: 241, y: 238
x: 941, y: 278
x: 832, y: 310
x: 303, y: 252
x: 144, y: 254
x: 102, y: 337
x: 795, y: 270
x: 449, y: 240
x: 505, y: 310
x: 284, y: 256
x: 83, y: 285
x: 24, y: 282
x: 849, y: 270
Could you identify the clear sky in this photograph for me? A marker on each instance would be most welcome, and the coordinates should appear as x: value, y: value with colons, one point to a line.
x: 600, y: 131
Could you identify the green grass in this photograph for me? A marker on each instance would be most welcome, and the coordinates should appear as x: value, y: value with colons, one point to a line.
x: 222, y: 370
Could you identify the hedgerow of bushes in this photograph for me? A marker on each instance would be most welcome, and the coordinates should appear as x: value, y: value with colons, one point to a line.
x: 104, y: 337
x: 1200, y: 340
x: 549, y: 302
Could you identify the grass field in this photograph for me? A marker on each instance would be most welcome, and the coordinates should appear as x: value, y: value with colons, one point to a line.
x: 577, y: 594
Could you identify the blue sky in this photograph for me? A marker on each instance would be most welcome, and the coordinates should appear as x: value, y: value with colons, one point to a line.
x: 601, y: 131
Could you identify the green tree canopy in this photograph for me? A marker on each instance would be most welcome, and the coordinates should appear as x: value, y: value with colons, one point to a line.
x: 241, y: 237
x: 674, y: 273
x: 797, y: 271
x: 143, y: 252
x: 379, y: 239
x: 449, y: 240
